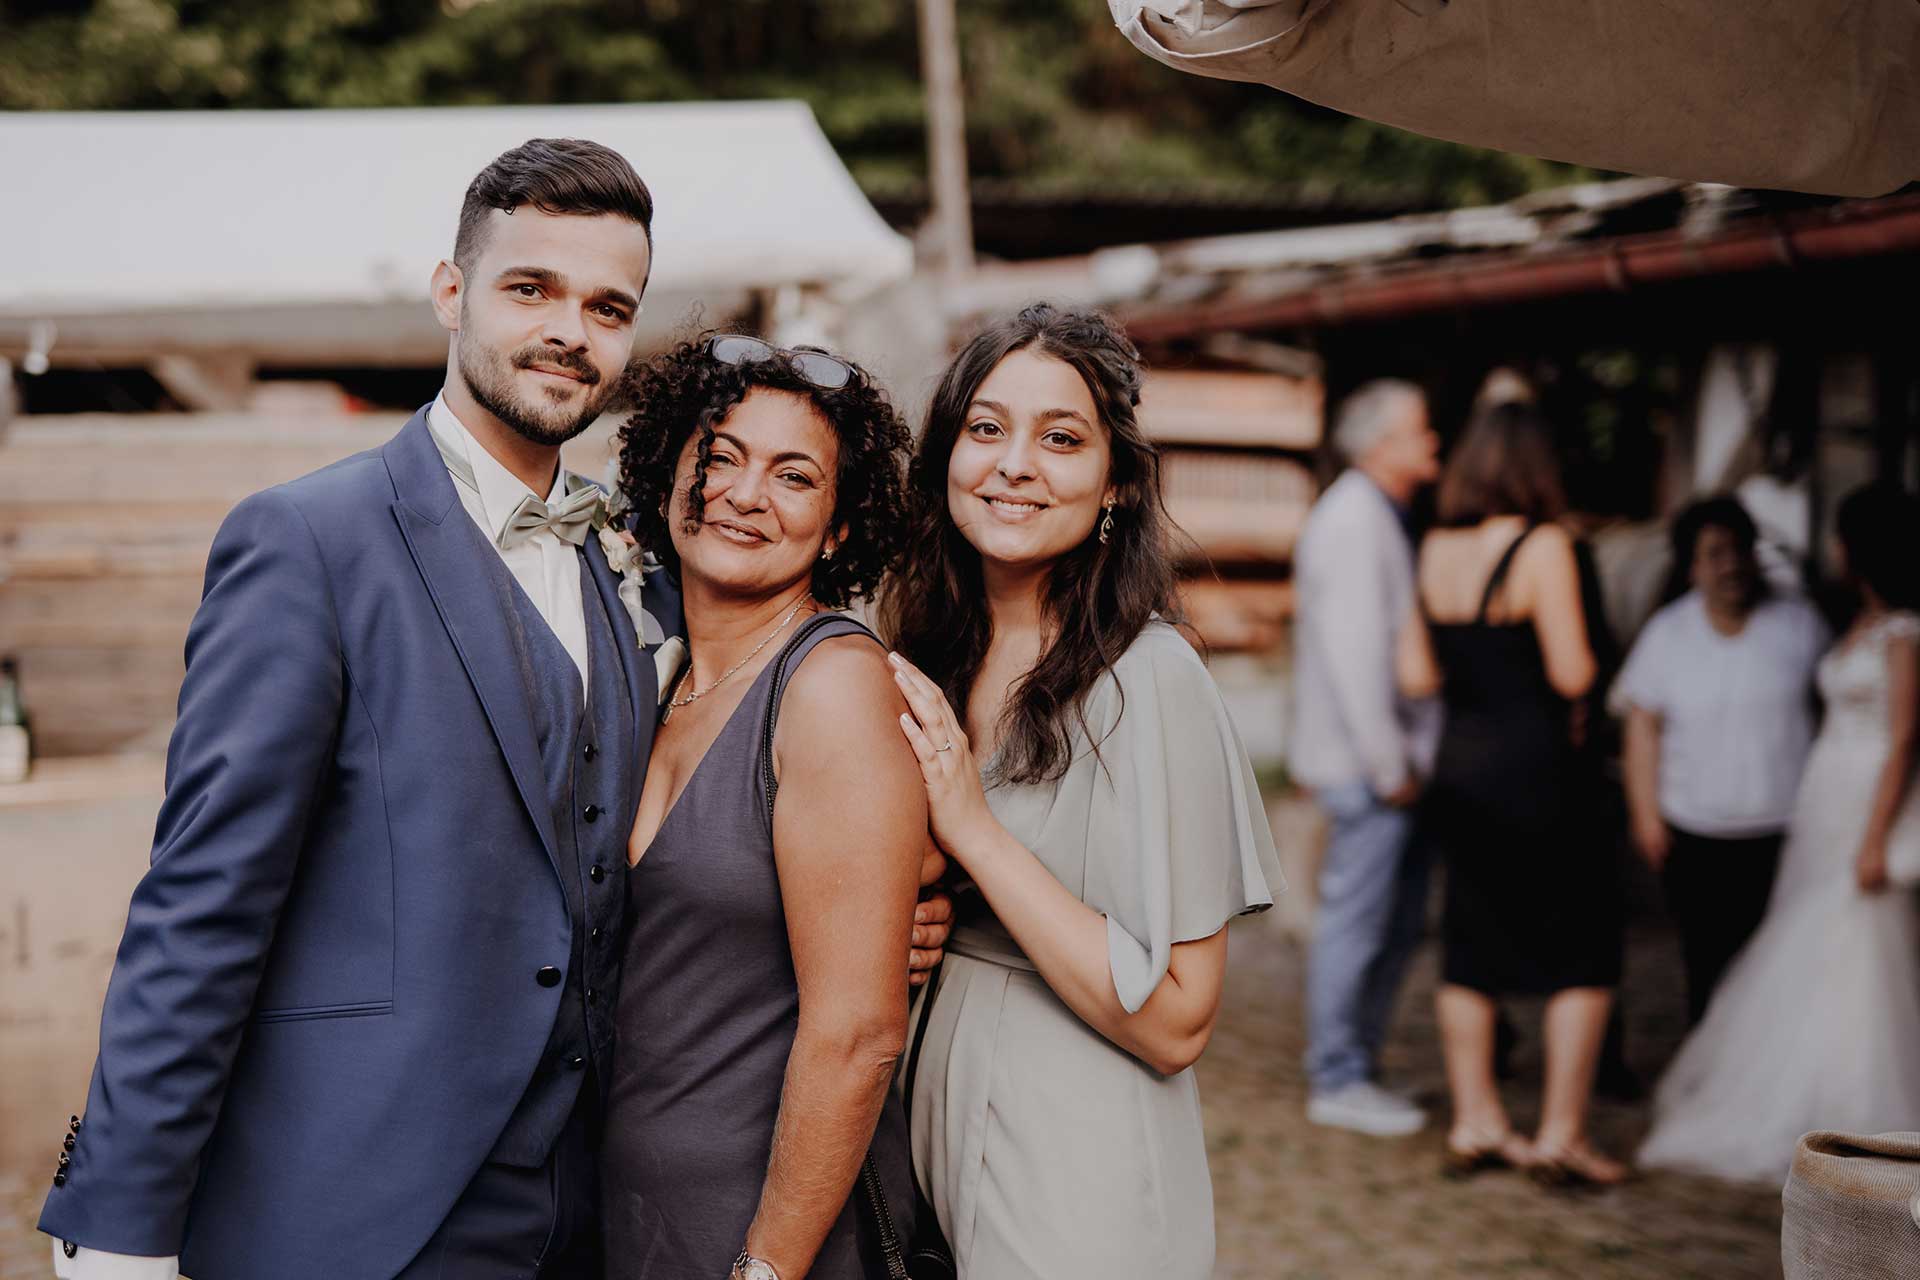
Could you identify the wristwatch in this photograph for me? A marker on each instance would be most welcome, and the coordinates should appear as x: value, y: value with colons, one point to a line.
x: 748, y: 1267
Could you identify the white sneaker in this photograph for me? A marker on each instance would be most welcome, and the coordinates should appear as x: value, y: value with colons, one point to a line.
x: 1366, y: 1108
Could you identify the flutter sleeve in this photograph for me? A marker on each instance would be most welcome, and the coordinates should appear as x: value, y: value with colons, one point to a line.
x: 1178, y: 840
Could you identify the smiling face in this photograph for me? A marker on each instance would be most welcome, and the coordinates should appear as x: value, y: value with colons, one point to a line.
x: 543, y: 317
x: 1723, y: 571
x: 1031, y: 466
x: 769, y: 497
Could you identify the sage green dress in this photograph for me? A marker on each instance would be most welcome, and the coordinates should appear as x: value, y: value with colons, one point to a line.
x: 1046, y: 1150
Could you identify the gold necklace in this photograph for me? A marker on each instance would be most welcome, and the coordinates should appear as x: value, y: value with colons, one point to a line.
x: 728, y: 674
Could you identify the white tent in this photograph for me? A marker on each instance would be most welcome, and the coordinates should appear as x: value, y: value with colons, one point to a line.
x: 308, y: 236
x: 1802, y: 95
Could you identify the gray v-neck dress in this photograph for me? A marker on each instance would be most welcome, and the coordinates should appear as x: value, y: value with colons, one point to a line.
x: 1047, y: 1151
x: 706, y: 1018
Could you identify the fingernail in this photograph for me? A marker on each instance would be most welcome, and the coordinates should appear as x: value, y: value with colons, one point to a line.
x: 894, y: 658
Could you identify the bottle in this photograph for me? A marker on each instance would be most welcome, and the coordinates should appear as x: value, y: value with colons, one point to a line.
x: 16, y: 733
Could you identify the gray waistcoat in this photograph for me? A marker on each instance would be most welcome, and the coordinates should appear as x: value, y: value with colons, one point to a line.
x: 584, y: 754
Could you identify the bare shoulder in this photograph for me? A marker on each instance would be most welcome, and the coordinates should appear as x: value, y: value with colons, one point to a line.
x: 1548, y: 550
x: 844, y: 686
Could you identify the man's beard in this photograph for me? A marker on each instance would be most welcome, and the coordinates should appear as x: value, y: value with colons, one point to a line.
x: 489, y: 377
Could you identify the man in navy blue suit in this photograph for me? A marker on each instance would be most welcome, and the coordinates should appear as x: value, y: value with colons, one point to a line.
x: 359, y: 1019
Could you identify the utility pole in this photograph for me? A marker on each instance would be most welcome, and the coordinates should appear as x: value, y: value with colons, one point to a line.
x: 952, y: 213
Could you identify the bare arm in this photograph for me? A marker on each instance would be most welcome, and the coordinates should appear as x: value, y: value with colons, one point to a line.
x: 1550, y: 578
x: 1067, y: 942
x: 1415, y: 665
x: 849, y: 828
x: 1642, y: 761
x: 1896, y: 773
x: 1066, y: 939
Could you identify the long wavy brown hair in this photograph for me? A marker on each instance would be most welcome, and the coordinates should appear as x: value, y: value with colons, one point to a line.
x: 1099, y: 595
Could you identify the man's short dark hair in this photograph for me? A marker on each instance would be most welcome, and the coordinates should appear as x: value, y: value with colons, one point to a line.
x: 1721, y: 511
x: 554, y: 175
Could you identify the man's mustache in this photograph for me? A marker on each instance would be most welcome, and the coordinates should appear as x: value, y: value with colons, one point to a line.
x: 571, y: 361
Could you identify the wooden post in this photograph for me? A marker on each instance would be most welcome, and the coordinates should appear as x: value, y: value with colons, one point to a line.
x: 951, y: 215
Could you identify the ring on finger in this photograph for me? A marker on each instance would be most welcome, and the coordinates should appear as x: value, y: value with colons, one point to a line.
x: 948, y: 747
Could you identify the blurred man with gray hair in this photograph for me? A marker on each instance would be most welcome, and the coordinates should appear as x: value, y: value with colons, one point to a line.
x: 1362, y: 749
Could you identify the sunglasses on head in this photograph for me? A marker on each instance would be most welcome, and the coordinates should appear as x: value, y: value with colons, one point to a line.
x: 829, y: 373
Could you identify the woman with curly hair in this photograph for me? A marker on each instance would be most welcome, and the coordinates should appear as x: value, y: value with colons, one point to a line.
x: 777, y: 849
x: 1080, y: 767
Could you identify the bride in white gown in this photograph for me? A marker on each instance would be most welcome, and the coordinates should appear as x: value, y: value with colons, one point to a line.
x: 1817, y: 1022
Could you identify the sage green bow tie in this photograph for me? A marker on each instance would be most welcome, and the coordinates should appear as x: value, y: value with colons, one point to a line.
x: 571, y: 519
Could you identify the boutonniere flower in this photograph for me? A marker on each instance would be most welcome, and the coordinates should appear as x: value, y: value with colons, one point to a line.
x: 621, y: 548
x: 625, y: 557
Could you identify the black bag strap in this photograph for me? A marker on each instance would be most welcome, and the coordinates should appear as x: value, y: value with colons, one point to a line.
x: 872, y: 1194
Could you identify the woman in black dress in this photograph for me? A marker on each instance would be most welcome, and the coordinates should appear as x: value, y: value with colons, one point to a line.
x: 1533, y: 903
x: 777, y: 849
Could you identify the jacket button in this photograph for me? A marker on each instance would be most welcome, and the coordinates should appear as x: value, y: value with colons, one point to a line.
x: 592, y: 812
x: 576, y: 1062
x: 593, y: 997
x: 73, y: 1123
x: 597, y: 873
x: 60, y: 1179
x: 68, y: 1144
x: 590, y: 751
x: 593, y: 934
x: 548, y: 976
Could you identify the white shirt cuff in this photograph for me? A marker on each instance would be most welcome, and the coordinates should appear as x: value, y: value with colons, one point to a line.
x: 92, y: 1264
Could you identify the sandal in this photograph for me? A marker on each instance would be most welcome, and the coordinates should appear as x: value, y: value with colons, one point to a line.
x: 1507, y: 1151
x: 1578, y: 1168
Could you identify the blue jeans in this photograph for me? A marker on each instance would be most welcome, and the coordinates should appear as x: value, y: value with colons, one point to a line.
x: 1372, y: 913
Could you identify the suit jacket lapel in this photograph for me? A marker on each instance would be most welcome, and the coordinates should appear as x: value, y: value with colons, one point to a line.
x: 635, y: 662
x: 450, y: 555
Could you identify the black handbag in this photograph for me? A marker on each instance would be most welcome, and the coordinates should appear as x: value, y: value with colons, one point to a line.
x: 927, y: 1256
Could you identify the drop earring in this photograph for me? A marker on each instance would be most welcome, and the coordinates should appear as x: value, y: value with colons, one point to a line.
x: 1106, y: 524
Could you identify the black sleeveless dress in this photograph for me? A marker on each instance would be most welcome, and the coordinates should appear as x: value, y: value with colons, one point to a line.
x: 706, y: 1017
x: 1533, y: 899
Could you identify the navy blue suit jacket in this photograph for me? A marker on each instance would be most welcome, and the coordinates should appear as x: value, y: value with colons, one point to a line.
x: 324, y: 1006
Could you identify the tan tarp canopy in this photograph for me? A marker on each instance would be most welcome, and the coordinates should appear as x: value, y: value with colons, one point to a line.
x: 1800, y: 95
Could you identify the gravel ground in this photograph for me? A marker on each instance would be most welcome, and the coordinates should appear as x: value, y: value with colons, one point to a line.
x: 1293, y: 1202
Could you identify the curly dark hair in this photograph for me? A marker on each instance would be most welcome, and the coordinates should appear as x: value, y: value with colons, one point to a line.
x: 1101, y: 595
x: 685, y: 393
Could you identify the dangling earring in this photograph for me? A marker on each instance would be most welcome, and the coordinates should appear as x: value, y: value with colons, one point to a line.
x: 1106, y: 523
x: 827, y: 554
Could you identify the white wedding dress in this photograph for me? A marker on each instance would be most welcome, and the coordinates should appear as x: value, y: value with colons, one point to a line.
x: 1817, y: 1022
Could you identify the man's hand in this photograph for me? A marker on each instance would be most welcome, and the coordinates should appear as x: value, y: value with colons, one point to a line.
x: 1654, y: 841
x: 932, y: 922
x: 1404, y: 795
x: 1870, y: 867
x: 932, y: 918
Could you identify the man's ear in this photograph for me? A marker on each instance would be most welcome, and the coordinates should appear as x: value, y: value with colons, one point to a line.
x: 447, y: 287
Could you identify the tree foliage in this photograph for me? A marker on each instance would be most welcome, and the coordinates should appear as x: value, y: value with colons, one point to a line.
x: 1056, y: 99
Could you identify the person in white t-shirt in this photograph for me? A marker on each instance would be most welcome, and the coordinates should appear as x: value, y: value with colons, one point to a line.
x: 1718, y: 701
